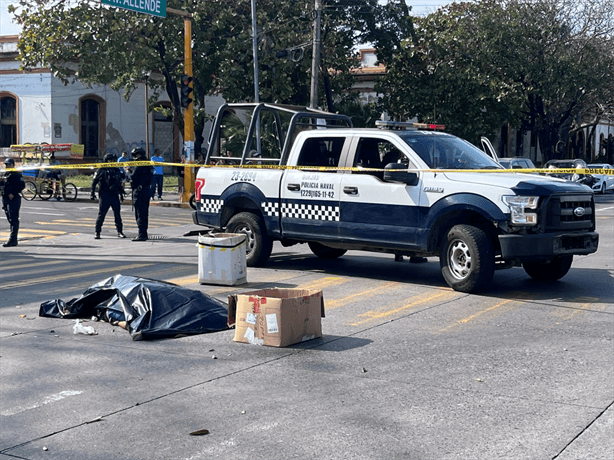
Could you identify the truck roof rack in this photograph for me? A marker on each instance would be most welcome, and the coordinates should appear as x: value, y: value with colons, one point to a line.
x: 400, y: 125
x: 282, y: 130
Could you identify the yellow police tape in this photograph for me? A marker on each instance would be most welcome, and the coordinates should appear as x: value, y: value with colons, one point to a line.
x: 605, y: 172
x: 219, y: 248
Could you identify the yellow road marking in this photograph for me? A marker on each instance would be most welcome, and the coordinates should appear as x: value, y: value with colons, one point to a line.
x: 32, y: 230
x: 29, y: 265
x: 48, y: 279
x: 322, y: 283
x: 83, y: 219
x: 84, y: 224
x: 472, y: 317
x: 577, y: 311
x: 31, y: 235
x: 184, y: 280
x: 332, y: 304
x: 373, y: 315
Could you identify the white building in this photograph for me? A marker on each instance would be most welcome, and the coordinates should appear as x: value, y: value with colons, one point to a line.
x: 35, y: 107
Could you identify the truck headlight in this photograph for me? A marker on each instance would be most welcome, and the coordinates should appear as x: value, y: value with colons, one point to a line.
x: 518, y: 206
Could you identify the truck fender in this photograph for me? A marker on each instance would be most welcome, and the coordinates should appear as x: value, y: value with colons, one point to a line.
x: 461, y: 208
x: 241, y: 197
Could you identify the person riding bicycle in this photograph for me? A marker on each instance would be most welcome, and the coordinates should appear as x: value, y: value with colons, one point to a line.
x: 56, y: 175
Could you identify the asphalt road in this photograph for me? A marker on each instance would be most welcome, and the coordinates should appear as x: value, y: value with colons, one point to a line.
x: 407, y: 368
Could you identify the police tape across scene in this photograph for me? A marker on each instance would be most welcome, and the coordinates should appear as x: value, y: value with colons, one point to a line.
x: 606, y: 172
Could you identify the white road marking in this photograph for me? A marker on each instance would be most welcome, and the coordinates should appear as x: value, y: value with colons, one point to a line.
x: 42, y: 213
x: 47, y: 400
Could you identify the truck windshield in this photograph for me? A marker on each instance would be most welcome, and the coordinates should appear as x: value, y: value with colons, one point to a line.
x: 444, y: 151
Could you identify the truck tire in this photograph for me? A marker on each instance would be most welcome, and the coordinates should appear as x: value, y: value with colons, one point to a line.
x: 467, y: 258
x: 259, y: 245
x: 325, y: 252
x: 551, y: 270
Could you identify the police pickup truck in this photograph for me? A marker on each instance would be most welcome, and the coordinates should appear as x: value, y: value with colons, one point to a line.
x: 295, y: 175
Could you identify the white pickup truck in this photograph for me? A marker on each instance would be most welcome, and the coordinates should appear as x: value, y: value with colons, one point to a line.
x: 301, y: 176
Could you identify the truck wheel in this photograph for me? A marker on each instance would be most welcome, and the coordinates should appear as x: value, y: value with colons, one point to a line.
x: 325, y: 252
x: 467, y: 258
x: 259, y: 245
x: 550, y: 270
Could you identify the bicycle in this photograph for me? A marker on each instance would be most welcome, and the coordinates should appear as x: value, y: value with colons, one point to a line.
x: 47, y: 189
x: 30, y: 191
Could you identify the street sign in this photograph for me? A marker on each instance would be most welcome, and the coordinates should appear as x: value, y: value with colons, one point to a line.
x: 153, y: 7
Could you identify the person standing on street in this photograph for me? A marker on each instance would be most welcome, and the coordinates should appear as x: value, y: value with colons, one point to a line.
x: 110, y: 190
x: 122, y: 159
x: 12, y: 185
x: 140, y: 181
x: 158, y: 175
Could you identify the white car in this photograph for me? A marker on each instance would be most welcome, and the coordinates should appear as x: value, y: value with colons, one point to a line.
x: 605, y: 182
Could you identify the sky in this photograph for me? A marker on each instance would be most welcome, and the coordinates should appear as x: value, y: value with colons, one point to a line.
x: 424, y: 7
x: 419, y: 8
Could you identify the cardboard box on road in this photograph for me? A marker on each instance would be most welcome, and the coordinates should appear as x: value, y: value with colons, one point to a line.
x: 276, y: 317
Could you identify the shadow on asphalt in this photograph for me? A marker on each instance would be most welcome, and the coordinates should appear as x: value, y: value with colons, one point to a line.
x: 332, y: 343
x: 510, y: 283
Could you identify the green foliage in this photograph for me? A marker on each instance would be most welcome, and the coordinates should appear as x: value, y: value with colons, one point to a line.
x: 536, y: 64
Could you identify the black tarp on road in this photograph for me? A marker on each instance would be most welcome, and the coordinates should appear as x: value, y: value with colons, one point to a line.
x: 152, y: 309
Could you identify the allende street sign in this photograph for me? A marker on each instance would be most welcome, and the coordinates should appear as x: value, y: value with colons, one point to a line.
x: 153, y: 7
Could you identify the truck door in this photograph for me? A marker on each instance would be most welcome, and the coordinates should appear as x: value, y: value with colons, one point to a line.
x: 488, y: 148
x: 309, y: 205
x: 374, y: 212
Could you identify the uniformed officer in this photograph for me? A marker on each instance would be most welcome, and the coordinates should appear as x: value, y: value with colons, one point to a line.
x: 110, y: 191
x: 140, y: 181
x: 11, y: 200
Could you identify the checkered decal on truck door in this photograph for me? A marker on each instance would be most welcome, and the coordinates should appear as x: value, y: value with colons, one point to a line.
x: 271, y: 209
x: 310, y: 211
x: 212, y: 206
x: 302, y: 211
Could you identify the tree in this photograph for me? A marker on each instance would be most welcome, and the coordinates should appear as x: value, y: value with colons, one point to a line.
x: 436, y: 77
x: 97, y: 44
x: 536, y: 64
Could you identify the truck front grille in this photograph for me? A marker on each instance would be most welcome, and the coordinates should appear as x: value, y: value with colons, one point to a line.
x: 569, y: 212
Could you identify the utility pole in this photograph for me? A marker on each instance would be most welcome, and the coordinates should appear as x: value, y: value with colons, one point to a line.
x: 255, y: 51
x: 315, y: 62
x: 188, y: 116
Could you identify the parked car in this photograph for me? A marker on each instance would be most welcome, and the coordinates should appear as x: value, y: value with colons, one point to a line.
x: 605, y: 182
x: 516, y: 163
x: 586, y: 179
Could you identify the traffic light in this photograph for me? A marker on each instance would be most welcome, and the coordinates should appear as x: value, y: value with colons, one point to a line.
x: 186, y: 90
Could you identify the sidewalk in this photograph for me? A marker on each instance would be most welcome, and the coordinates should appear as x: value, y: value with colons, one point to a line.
x: 169, y: 199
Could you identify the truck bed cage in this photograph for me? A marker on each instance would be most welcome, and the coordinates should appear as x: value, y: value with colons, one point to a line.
x: 301, y: 118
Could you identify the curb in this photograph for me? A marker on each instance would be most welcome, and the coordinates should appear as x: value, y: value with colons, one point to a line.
x: 173, y: 201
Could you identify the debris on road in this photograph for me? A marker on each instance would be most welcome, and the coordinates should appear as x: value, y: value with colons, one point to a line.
x: 148, y: 309
x: 79, y: 328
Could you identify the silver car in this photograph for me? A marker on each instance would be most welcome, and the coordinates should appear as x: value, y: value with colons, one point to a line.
x: 605, y: 182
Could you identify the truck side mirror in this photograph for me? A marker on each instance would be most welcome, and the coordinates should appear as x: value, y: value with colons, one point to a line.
x: 397, y: 172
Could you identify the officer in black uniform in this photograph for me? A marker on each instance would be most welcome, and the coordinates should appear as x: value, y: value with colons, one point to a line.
x: 140, y: 181
x: 13, y: 184
x: 109, y: 181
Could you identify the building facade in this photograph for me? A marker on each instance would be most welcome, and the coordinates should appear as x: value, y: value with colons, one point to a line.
x: 36, y: 107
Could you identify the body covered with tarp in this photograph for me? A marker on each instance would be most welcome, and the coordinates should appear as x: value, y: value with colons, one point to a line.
x: 152, y: 309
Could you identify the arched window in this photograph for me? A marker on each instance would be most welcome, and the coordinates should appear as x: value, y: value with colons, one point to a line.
x: 92, y: 110
x: 8, y: 120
